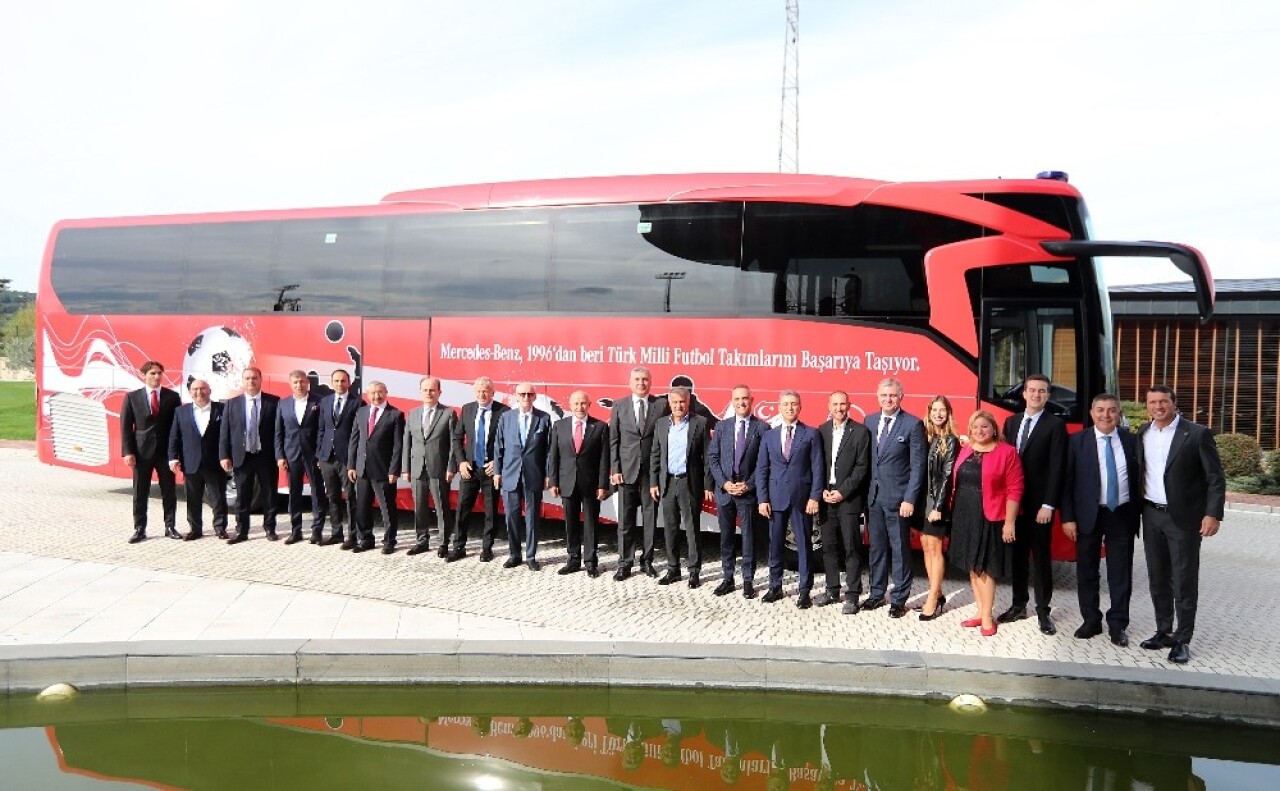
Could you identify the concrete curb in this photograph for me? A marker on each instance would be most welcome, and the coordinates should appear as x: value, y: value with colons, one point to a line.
x: 25, y: 670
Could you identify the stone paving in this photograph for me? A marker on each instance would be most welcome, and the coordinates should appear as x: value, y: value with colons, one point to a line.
x: 67, y: 575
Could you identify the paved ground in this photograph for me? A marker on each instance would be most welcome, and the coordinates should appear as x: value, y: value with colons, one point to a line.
x: 67, y: 575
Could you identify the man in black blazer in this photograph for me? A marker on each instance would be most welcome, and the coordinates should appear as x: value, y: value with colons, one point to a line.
x: 1100, y: 507
x: 146, y: 419
x: 630, y: 444
x: 246, y: 445
x: 297, y: 431
x: 680, y: 481
x: 337, y: 416
x: 1185, y: 491
x: 1041, y: 440
x: 373, y: 465
x: 578, y: 466
x: 846, y: 455
x: 731, y: 459
x: 475, y: 437
x: 193, y: 451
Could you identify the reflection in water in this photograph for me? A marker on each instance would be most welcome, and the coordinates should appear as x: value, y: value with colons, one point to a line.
x: 568, y: 739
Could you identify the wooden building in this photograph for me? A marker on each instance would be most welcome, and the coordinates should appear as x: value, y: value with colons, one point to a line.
x: 1224, y: 371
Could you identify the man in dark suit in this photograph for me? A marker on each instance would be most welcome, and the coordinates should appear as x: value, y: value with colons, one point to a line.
x: 680, y: 481
x: 475, y: 437
x: 1185, y: 491
x: 337, y: 415
x: 373, y: 464
x: 789, y: 479
x: 1041, y: 440
x: 846, y: 456
x: 731, y: 459
x: 898, y: 467
x: 524, y: 437
x: 630, y: 444
x: 1100, y: 508
x: 246, y: 445
x: 428, y: 462
x: 578, y: 467
x: 297, y: 430
x: 146, y: 419
x: 193, y: 450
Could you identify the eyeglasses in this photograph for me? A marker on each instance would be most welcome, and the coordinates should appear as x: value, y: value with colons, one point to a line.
x: 526, y: 395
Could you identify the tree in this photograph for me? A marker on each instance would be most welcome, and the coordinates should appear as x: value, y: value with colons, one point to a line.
x: 20, y: 338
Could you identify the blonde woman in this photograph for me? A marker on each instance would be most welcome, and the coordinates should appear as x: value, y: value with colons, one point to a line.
x: 940, y: 431
x: 986, y: 492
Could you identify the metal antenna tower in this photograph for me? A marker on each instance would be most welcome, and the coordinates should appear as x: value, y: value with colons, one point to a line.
x: 789, y: 127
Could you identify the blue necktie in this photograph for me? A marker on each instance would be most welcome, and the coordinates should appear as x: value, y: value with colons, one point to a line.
x: 481, y: 435
x: 1113, y: 477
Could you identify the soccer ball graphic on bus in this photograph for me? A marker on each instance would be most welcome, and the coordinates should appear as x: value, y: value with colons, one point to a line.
x: 219, y: 356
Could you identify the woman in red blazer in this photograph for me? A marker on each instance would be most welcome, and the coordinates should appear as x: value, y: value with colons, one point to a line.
x: 985, y: 495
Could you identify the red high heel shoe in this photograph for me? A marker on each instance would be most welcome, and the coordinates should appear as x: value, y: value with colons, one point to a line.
x: 972, y: 622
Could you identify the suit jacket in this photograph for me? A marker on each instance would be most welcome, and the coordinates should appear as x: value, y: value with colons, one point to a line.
x: 785, y: 483
x: 1042, y: 460
x: 142, y: 434
x: 515, y: 460
x: 1194, y: 480
x: 464, y: 432
x: 430, y: 454
x: 197, y: 452
x: 1083, y: 483
x: 234, y: 420
x: 1001, y: 479
x: 579, y: 473
x: 630, y: 445
x: 376, y: 456
x: 853, y: 461
x: 720, y: 456
x: 898, y: 464
x: 699, y: 479
x: 296, y: 442
x: 335, y: 432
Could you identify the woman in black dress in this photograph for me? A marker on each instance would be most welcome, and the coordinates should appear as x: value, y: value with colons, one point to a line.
x: 943, y: 447
x: 986, y: 492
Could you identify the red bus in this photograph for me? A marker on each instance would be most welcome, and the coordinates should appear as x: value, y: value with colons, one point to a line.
x: 812, y: 283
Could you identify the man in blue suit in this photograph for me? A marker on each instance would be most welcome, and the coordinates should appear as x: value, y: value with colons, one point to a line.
x: 1101, y: 494
x: 297, y: 429
x: 246, y: 445
x: 337, y: 415
x: 193, y: 451
x: 897, y: 487
x: 521, y: 462
x: 789, y: 480
x: 731, y: 457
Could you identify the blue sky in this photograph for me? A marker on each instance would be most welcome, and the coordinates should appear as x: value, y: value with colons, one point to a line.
x: 1160, y: 111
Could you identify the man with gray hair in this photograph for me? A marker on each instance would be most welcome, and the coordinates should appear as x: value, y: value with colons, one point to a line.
x: 680, y: 481
x: 631, y: 425
x: 475, y: 438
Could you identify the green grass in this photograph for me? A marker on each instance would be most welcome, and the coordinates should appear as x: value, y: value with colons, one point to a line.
x: 18, y: 410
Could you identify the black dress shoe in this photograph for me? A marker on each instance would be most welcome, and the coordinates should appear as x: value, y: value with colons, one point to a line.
x: 695, y: 579
x: 192, y: 536
x: 1088, y: 630
x: 851, y: 606
x: 671, y: 576
x: 622, y: 573
x: 873, y: 604
x: 1158, y: 640
x: 1119, y: 638
x: 897, y: 610
x: 349, y: 544
x: 569, y: 568
x: 772, y: 595
x: 388, y: 549
x: 1180, y: 654
x: 649, y: 570
x: 271, y: 536
x: 362, y: 548
x: 593, y: 571
x: 137, y: 537
x: 534, y: 565
x: 1046, y: 625
x: 293, y: 538
x: 237, y: 538
x: 486, y: 554
x: 418, y: 549
x: 725, y: 587
x: 443, y: 551
x: 336, y: 538
x: 803, y: 601
x: 512, y: 562
x: 221, y: 534
x: 455, y: 555
x: 170, y: 532
x: 824, y: 598
x: 748, y: 589
x: 1012, y: 614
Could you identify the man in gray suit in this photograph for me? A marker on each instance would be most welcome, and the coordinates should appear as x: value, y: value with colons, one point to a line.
x: 680, y: 481
x: 630, y: 442
x: 897, y: 486
x: 1185, y: 495
x: 427, y: 461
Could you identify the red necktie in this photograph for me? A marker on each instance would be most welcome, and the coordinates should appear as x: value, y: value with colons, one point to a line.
x: 373, y: 418
x: 155, y: 402
x: 577, y: 436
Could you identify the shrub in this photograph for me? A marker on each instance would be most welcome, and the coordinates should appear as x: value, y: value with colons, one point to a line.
x: 1134, y: 412
x: 1241, y: 455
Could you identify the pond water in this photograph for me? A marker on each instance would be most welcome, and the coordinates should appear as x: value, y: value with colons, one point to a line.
x: 499, y: 738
